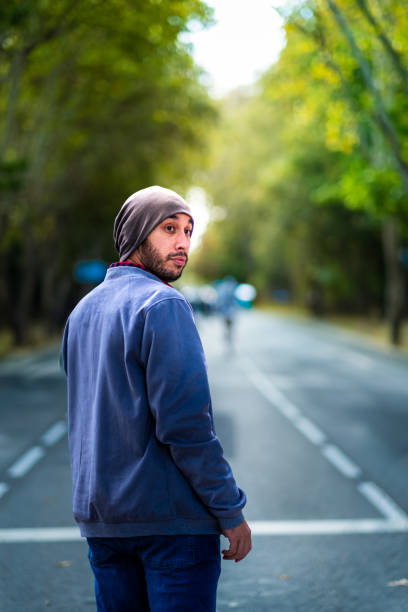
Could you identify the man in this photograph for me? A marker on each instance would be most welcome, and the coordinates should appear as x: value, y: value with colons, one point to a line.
x: 151, y: 489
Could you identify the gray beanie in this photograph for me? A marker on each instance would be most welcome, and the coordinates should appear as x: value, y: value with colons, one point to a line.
x: 141, y: 213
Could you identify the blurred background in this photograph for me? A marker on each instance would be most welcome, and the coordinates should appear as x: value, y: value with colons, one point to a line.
x: 285, y: 126
x: 291, y: 147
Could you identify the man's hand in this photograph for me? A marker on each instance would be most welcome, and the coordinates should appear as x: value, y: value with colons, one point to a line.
x: 239, y: 542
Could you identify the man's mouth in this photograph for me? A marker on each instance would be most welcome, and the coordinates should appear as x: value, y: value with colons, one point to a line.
x: 180, y: 260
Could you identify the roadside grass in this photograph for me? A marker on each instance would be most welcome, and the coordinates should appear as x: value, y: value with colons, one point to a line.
x: 6, y: 342
x: 39, y: 338
x: 369, y: 327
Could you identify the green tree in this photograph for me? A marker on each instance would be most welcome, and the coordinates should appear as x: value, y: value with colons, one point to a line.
x: 318, y: 158
x: 98, y: 99
x: 364, y: 58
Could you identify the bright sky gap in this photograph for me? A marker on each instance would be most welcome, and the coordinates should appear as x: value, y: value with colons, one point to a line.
x: 246, y: 39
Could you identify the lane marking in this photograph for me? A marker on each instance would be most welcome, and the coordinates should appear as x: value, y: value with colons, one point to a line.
x: 378, y: 498
x: 4, y: 487
x: 284, y: 382
x: 40, y: 534
x: 258, y: 528
x: 328, y: 527
x: 357, y: 359
x: 26, y: 462
x: 271, y: 393
x: 54, y: 433
x: 311, y: 431
x: 383, y: 502
x: 340, y: 460
x: 44, y: 370
x: 315, y: 380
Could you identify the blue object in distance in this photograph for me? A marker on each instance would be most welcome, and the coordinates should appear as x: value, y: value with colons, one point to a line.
x: 92, y: 271
x: 404, y: 256
x: 281, y: 295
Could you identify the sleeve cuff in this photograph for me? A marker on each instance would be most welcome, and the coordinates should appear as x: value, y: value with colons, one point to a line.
x: 229, y: 523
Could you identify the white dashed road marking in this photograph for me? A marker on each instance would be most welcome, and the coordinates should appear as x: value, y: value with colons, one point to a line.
x: 271, y: 393
x: 49, y: 369
x: 31, y: 457
x: 396, y: 517
x: 382, y: 501
x: 357, y: 359
x: 310, y: 430
x: 54, y: 433
x: 26, y: 462
x: 4, y: 487
x: 337, y: 458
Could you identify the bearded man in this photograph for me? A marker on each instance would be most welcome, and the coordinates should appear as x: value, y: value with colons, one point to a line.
x: 152, y: 491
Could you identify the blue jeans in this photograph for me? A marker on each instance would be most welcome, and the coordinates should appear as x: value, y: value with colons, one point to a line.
x: 161, y: 573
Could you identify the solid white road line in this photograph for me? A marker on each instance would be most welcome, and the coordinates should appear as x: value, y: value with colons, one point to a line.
x: 3, y: 488
x: 327, y: 527
x: 258, y: 528
x: 345, y: 465
x: 54, y: 433
x: 40, y: 534
x: 26, y: 462
x: 387, y: 506
x: 313, y: 433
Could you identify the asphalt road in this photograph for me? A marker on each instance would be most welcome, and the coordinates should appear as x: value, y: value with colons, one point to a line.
x: 315, y: 425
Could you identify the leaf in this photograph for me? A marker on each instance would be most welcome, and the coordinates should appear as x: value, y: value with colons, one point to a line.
x: 396, y: 583
x: 63, y: 563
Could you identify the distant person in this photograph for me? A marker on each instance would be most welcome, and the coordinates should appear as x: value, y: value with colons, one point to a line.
x: 227, y: 304
x: 151, y: 489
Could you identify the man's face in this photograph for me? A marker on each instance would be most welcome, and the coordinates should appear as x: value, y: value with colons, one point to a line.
x: 165, y: 250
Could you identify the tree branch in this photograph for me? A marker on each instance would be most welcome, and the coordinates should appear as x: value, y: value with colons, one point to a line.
x: 385, y: 41
x: 383, y: 118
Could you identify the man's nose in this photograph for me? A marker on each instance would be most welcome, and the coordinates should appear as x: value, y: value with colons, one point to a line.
x: 183, y: 241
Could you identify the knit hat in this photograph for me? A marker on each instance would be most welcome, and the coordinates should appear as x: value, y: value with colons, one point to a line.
x: 141, y: 213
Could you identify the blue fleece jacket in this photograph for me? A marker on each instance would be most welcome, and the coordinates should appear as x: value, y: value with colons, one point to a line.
x: 144, y: 455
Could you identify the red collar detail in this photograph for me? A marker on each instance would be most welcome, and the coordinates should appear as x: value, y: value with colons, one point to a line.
x: 119, y: 264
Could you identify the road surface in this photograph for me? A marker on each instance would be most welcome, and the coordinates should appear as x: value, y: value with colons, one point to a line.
x: 315, y: 425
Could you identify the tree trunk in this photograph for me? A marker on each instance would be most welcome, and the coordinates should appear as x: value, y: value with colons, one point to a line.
x: 394, y: 283
x: 14, y: 78
x: 24, y: 303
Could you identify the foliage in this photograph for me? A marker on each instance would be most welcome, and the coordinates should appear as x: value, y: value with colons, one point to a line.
x: 312, y: 166
x: 97, y: 99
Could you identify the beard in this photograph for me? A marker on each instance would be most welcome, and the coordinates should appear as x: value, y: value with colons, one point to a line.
x: 154, y: 262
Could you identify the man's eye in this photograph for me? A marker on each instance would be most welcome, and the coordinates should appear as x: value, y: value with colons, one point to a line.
x: 188, y: 232
x: 170, y: 227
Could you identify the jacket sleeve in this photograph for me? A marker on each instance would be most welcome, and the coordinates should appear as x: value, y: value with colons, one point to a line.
x: 179, y: 398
